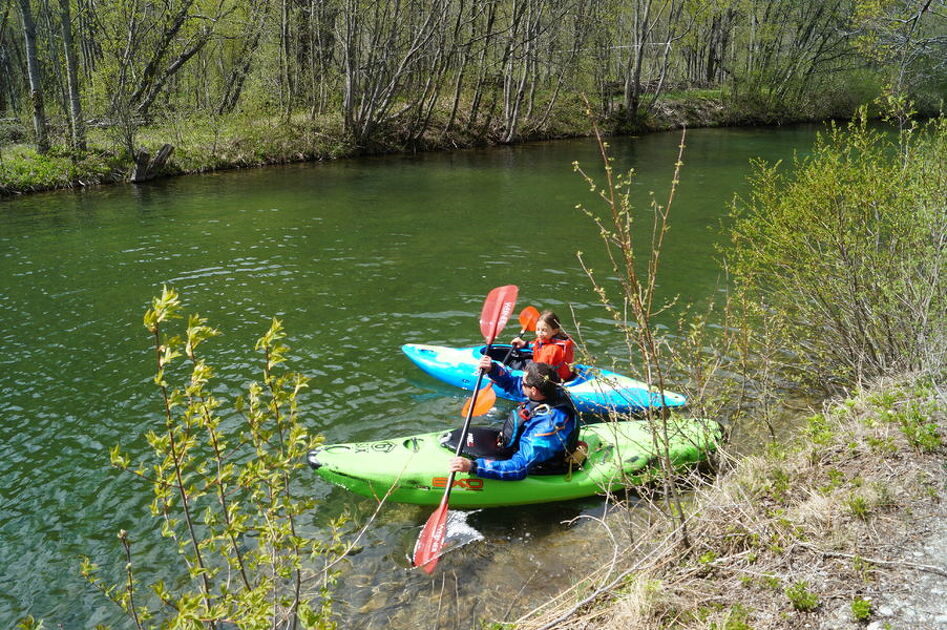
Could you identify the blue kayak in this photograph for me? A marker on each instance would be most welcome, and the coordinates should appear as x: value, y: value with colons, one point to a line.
x: 593, y: 390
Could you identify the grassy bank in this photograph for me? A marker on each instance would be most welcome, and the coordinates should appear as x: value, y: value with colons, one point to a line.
x: 822, y: 532
x: 244, y: 141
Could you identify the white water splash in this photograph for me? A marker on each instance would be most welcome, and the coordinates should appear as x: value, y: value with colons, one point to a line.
x: 459, y: 532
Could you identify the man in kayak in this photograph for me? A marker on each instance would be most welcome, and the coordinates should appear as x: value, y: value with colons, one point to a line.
x: 539, y: 433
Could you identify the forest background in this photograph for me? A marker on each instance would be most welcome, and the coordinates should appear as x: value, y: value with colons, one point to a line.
x: 94, y: 91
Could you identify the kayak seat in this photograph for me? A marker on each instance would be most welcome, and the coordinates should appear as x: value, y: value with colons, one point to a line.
x: 480, y: 442
x: 484, y: 442
x: 518, y: 359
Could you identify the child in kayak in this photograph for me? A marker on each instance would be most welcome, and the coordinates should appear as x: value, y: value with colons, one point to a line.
x: 551, y: 346
x: 541, y: 432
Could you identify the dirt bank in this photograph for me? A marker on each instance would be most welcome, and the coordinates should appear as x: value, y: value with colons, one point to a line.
x: 844, y: 529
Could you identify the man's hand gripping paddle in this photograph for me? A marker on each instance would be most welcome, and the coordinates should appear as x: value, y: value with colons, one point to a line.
x: 486, y: 397
x: 496, y: 312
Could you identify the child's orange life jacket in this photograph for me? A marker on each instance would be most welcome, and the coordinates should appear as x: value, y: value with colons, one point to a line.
x: 559, y: 352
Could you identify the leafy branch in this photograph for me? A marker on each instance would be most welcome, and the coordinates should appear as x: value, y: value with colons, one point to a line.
x: 224, y: 495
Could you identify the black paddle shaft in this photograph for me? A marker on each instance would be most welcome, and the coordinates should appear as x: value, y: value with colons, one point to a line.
x: 466, y: 428
x: 509, y: 352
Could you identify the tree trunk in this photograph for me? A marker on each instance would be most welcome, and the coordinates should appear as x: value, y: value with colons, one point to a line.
x: 642, y: 32
x: 6, y: 75
x: 238, y: 75
x: 75, y: 105
x: 147, y: 168
x: 165, y: 42
x: 286, y: 86
x: 36, y: 83
x: 482, y: 64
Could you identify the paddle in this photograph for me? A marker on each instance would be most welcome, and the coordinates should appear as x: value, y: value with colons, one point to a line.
x: 485, y: 400
x: 496, y: 311
x: 487, y: 397
x: 528, y: 318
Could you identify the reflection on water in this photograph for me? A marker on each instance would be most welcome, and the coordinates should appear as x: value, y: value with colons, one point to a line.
x: 357, y: 258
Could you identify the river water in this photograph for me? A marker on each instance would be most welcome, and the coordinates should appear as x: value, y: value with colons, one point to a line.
x: 356, y: 257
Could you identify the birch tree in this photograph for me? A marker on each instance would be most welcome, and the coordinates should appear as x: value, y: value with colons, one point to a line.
x: 35, y: 76
x: 75, y: 104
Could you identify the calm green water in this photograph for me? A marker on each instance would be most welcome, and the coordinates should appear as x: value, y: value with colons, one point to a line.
x: 356, y: 257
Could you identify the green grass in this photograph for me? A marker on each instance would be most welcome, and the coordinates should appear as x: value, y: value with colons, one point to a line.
x: 23, y: 169
x: 801, y: 598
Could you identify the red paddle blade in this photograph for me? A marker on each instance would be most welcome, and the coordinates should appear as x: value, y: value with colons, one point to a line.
x: 528, y: 318
x: 486, y: 397
x: 497, y: 310
x: 428, y: 548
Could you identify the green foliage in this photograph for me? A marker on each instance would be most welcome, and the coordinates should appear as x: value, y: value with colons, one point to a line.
x: 835, y: 480
x: 912, y: 416
x: 863, y: 568
x: 24, y: 169
x: 801, y: 598
x: 858, y: 505
x: 737, y: 619
x: 778, y: 483
x: 907, y: 44
x: 223, y: 495
x: 29, y: 623
x: 845, y: 252
x: 11, y: 131
x: 707, y: 557
x: 921, y: 433
x: 882, y: 446
x: 771, y: 582
x: 861, y: 609
x: 818, y: 430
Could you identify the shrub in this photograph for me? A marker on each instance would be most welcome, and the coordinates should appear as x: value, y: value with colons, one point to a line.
x: 920, y: 433
x: 224, y: 497
x: 844, y: 254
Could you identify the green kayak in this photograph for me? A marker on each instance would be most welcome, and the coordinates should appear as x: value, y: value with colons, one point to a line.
x: 414, y: 469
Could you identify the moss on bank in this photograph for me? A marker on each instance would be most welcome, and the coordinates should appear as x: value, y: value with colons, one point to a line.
x: 815, y: 534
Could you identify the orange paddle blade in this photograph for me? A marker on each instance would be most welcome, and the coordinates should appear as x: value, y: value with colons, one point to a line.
x: 428, y: 548
x: 528, y: 318
x: 486, y: 397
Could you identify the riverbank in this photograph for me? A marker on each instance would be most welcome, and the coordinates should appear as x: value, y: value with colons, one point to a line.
x: 845, y: 528
x: 243, y: 141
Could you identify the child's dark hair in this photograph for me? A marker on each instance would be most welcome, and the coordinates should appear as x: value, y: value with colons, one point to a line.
x: 550, y: 319
x: 542, y: 376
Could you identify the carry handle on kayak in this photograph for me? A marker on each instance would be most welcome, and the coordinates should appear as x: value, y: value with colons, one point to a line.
x: 496, y: 312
